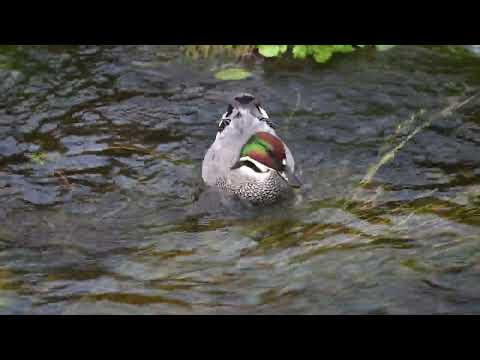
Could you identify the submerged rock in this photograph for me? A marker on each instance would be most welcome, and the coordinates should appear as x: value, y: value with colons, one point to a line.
x: 10, y: 147
x: 40, y: 195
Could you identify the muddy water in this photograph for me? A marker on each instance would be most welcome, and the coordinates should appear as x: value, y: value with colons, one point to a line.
x: 100, y: 158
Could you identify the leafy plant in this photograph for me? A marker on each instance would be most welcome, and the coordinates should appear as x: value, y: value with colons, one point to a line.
x: 272, y: 50
x: 321, y: 53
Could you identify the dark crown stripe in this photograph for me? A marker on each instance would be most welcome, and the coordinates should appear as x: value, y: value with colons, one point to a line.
x: 245, y: 99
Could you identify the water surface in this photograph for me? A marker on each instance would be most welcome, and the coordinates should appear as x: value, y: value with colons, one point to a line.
x: 100, y: 173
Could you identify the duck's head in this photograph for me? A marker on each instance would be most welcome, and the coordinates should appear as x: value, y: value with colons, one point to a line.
x: 244, y: 116
x: 264, y: 155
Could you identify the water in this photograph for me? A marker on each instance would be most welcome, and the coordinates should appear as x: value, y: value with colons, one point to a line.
x: 100, y: 182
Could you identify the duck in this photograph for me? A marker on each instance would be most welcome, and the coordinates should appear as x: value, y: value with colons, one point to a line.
x: 247, y: 159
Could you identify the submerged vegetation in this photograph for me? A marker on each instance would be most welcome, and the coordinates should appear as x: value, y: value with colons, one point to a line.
x: 232, y: 74
x: 38, y: 158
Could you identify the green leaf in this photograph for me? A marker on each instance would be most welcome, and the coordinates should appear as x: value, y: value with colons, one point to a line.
x: 384, y: 47
x: 300, y: 51
x: 39, y: 158
x: 323, y: 56
x: 321, y: 53
x: 272, y: 50
x: 232, y: 74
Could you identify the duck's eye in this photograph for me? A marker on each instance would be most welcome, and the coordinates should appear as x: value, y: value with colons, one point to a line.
x: 223, y: 124
x: 229, y: 111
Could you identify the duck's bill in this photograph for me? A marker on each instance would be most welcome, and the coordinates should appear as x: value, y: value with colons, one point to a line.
x: 291, y: 179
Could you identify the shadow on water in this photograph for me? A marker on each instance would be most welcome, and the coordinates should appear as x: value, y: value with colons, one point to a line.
x: 103, y: 208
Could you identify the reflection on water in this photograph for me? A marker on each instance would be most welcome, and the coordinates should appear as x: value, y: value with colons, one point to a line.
x: 103, y: 209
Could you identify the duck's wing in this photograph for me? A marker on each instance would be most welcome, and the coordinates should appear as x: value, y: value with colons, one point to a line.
x: 289, y: 158
x: 218, y: 161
